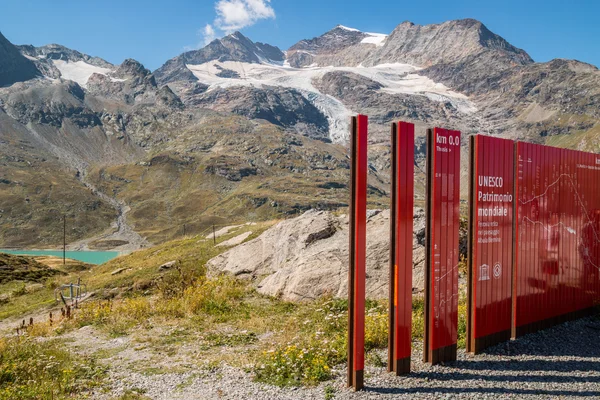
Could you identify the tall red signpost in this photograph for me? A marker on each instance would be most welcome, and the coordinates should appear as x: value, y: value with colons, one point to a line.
x: 491, y: 200
x: 401, y: 247
x: 358, y: 245
x: 441, y: 265
x: 557, y: 268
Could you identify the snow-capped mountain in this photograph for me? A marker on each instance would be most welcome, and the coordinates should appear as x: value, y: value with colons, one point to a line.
x: 235, y: 63
x: 235, y: 47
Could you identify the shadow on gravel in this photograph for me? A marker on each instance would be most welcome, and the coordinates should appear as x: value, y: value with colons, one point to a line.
x: 527, y: 365
x: 459, y: 376
x: 544, y: 358
x: 575, y: 339
x: 449, y: 390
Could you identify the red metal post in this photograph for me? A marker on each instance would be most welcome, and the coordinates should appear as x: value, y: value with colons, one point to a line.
x: 401, y: 247
x: 357, y: 273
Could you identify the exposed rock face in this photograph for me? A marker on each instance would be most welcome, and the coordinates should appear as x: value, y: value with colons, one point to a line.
x: 460, y: 42
x: 280, y: 106
x: 339, y: 38
x: 447, y: 43
x: 14, y: 67
x: 49, y: 104
x: 307, y: 257
x: 132, y: 84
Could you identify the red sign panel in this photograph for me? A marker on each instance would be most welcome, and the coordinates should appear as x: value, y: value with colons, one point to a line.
x: 441, y: 270
x: 358, y: 248
x: 401, y: 247
x: 557, y: 236
x: 491, y: 201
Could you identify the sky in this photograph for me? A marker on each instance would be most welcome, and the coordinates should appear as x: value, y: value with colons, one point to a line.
x: 153, y: 32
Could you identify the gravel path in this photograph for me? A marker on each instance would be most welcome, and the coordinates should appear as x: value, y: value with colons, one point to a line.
x: 563, y: 362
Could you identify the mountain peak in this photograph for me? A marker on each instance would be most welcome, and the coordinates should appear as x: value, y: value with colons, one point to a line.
x: 56, y: 51
x: 233, y: 47
x: 334, y: 40
x: 131, y: 68
x: 346, y: 28
x: 238, y: 35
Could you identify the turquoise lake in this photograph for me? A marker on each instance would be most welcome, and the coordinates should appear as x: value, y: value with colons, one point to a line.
x: 90, y: 257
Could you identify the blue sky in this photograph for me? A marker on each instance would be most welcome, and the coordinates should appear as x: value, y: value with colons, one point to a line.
x: 153, y: 32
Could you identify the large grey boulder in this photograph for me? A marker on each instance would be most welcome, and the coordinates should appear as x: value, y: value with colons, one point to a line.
x: 307, y: 257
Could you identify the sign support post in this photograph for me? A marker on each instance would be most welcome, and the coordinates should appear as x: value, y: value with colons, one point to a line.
x: 357, y: 267
x: 401, y: 247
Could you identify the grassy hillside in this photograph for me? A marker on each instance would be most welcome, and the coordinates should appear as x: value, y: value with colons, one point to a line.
x: 25, y: 269
x: 37, y: 189
x: 228, y: 169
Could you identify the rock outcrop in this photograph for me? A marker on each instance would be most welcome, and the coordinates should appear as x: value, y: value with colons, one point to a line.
x: 307, y: 257
x: 280, y: 106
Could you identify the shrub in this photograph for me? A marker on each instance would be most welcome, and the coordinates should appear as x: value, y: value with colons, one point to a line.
x: 293, y: 365
x: 34, y: 370
x: 216, y: 297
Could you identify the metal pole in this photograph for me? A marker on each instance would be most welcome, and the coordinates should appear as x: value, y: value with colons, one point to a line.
x: 214, y: 235
x: 357, y: 252
x: 64, y: 239
x: 392, y: 266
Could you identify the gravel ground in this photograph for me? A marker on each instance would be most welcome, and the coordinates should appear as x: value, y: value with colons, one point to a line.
x: 562, y: 362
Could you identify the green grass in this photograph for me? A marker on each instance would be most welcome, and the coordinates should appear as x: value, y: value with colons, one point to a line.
x: 26, y: 269
x: 17, y: 305
x: 44, y: 370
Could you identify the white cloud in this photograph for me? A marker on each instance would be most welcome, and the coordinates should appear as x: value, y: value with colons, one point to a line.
x: 209, y: 34
x: 233, y: 15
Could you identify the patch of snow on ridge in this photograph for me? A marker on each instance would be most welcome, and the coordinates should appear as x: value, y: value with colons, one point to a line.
x: 348, y: 29
x: 395, y: 78
x: 378, y: 39
x: 79, y: 71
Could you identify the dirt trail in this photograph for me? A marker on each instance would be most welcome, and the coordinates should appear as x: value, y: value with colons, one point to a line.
x: 120, y: 230
x: 8, y: 325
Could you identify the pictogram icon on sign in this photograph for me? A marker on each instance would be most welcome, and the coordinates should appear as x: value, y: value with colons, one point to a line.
x: 497, y: 270
x: 484, y: 272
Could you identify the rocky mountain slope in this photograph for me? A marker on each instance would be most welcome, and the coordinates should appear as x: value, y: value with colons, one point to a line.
x: 14, y: 67
x: 243, y: 130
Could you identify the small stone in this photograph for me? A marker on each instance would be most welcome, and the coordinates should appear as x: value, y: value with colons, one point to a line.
x: 118, y: 271
x: 167, y: 265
